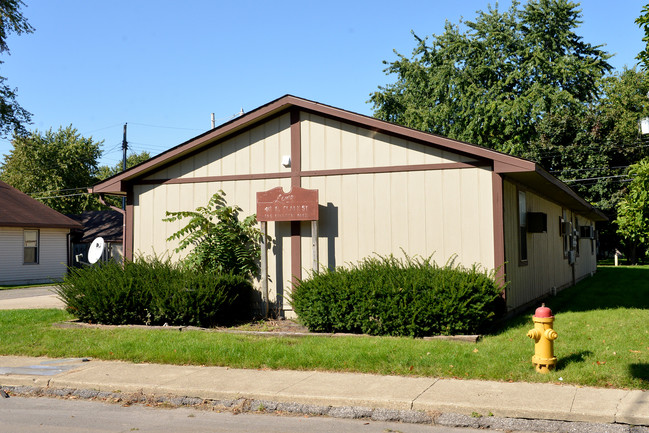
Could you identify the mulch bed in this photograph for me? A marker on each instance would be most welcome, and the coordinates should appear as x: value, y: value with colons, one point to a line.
x: 270, y: 328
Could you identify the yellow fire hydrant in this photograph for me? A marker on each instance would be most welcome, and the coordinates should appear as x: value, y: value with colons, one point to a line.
x: 544, y: 336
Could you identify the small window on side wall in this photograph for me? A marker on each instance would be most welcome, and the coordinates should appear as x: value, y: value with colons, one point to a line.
x: 30, y: 247
x: 537, y: 222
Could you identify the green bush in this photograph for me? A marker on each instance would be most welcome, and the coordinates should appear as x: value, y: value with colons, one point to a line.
x: 388, y: 296
x: 153, y: 293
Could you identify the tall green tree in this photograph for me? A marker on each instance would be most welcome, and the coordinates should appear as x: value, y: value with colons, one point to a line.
x: 132, y: 159
x: 633, y: 210
x: 591, y: 148
x: 54, y: 167
x: 492, y: 80
x: 12, y: 116
x: 643, y: 22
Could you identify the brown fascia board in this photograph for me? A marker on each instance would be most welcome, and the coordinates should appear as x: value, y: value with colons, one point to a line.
x: 502, y: 163
x: 43, y: 225
x: 116, y: 184
x: 108, y: 186
x: 551, y: 188
x: 581, y: 205
x: 505, y: 162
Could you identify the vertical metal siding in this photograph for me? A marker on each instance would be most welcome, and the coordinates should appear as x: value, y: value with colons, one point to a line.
x: 403, y: 211
x: 259, y: 150
x: 328, y: 144
x: 546, y: 267
x: 151, y: 232
x: 443, y: 213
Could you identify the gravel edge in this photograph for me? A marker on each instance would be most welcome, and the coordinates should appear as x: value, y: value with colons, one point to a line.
x: 349, y: 412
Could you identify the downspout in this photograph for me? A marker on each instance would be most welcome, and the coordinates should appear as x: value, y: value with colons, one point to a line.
x: 68, y: 247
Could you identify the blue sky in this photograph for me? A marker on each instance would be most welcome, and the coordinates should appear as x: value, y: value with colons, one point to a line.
x: 164, y: 66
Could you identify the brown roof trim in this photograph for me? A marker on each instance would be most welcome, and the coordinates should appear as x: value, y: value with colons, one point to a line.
x: 224, y: 178
x: 17, y: 209
x: 545, y: 185
x: 114, y: 185
x: 317, y: 173
x: 506, y: 162
x: 499, y: 228
x: 502, y: 163
x: 562, y: 186
x: 393, y: 169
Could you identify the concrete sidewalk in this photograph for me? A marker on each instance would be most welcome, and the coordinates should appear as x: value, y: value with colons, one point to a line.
x: 427, y: 395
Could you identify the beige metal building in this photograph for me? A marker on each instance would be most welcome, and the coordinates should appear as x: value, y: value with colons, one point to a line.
x: 382, y: 188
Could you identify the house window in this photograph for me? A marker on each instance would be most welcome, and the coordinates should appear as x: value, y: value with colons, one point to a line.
x: 30, y: 247
x: 522, y: 227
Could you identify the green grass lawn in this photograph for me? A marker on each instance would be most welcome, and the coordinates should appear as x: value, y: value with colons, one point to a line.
x: 603, y: 326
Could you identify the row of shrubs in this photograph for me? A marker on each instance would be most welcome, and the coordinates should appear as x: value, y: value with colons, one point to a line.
x: 389, y: 296
x: 155, y: 292
x: 378, y: 296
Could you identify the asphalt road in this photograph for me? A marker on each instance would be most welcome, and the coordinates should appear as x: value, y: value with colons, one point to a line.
x: 27, y: 415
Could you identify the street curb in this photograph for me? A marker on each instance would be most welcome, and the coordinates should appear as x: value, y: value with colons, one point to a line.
x: 243, y: 405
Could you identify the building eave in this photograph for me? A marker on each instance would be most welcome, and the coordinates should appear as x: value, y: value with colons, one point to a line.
x: 517, y: 168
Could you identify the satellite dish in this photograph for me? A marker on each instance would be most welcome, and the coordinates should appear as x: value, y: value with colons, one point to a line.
x: 95, y: 250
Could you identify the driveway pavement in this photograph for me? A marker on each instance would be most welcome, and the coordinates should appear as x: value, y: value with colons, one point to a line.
x: 31, y: 297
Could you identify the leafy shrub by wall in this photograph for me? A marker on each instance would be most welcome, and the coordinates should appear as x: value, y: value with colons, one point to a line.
x: 217, y: 240
x: 155, y: 292
x: 388, y: 296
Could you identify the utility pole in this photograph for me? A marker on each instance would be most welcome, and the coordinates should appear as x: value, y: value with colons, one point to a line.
x: 124, y: 148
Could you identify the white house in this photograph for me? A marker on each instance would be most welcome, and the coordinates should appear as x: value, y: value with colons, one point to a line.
x: 34, y: 239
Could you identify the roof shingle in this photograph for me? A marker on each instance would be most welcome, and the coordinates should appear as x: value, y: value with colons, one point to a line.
x: 17, y: 209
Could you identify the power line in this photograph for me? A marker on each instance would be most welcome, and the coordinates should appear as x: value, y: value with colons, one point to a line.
x: 560, y: 149
x: 597, y: 178
x: 166, y: 127
x: 101, y: 129
x: 589, y: 169
x: 114, y: 147
x: 159, y: 146
x: 58, y: 190
x: 62, y: 196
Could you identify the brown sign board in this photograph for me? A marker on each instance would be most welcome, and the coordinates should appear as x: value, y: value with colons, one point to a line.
x: 299, y: 204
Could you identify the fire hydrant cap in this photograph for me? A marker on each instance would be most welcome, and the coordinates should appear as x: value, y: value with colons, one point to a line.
x: 543, y: 312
